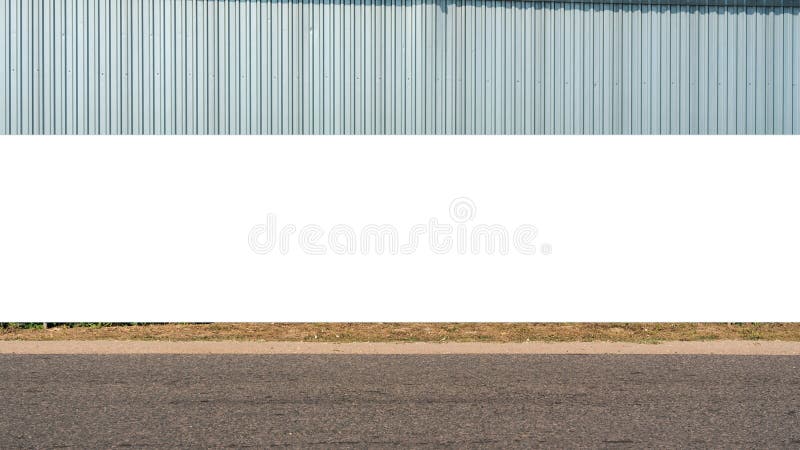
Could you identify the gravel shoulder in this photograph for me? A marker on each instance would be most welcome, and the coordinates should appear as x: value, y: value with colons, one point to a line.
x: 724, y: 347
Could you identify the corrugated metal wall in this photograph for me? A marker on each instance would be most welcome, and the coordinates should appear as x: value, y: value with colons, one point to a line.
x: 385, y: 66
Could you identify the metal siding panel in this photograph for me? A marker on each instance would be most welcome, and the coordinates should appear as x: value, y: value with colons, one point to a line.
x: 578, y: 46
x: 538, y: 66
x: 208, y: 68
x: 206, y: 74
x: 587, y: 71
x: 35, y: 43
x: 15, y: 72
x: 486, y: 101
x: 469, y: 66
x: 506, y: 77
x: 723, y: 72
x: 141, y: 72
x: 104, y: 49
x: 506, y: 101
x: 60, y: 69
x: 608, y: 51
x: 298, y: 36
x: 558, y: 69
x: 497, y: 70
x: 236, y: 72
x: 223, y: 70
x: 113, y: 71
x: 626, y: 69
x: 755, y: 74
x: 98, y: 55
x: 744, y: 47
x: 403, y: 89
x: 5, y: 46
x: 420, y: 53
x: 247, y: 106
x: 616, y: 86
x: 253, y: 85
x: 398, y: 72
x: 507, y: 91
x: 795, y: 94
x: 671, y: 100
x: 157, y: 67
x: 148, y: 68
x: 358, y: 46
x: 242, y: 93
x: 769, y: 68
x: 72, y: 66
x: 275, y: 112
x: 376, y: 66
x: 359, y: 49
x: 46, y: 67
x: 460, y: 67
x: 318, y: 69
x: 635, y: 71
x: 502, y: 69
x: 549, y: 70
x: 736, y: 64
x: 456, y: 64
x: 143, y: 78
x: 656, y: 72
x: 40, y: 64
x: 597, y: 67
x: 645, y: 78
x: 700, y: 69
x: 189, y: 70
x: 124, y: 54
x: 249, y: 75
x: 760, y: 67
x: 527, y: 51
x: 776, y: 71
x: 284, y: 69
x: 25, y: 32
x: 298, y: 55
x: 789, y: 55
x: 388, y: 67
x: 84, y: 69
x: 200, y: 75
x: 380, y: 66
x: 720, y: 92
x: 712, y: 57
x: 135, y: 37
x: 168, y: 61
x: 681, y: 89
x: 567, y: 70
x: 489, y: 67
x: 689, y: 92
x: 411, y: 79
x: 217, y: 69
x: 426, y: 70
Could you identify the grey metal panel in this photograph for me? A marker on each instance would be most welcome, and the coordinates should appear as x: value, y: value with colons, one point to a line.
x: 396, y: 66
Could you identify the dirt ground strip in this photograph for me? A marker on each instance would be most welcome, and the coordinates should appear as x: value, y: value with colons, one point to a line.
x: 399, y: 348
x: 416, y: 332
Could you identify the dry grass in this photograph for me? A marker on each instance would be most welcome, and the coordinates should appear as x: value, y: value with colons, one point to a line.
x: 415, y: 332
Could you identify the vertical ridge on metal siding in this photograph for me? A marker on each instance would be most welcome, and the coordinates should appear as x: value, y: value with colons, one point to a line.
x: 395, y: 66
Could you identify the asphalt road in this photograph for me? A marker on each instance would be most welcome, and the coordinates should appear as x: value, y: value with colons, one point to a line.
x: 404, y: 401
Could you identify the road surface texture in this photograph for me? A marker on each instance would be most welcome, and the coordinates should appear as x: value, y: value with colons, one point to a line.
x: 323, y: 401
